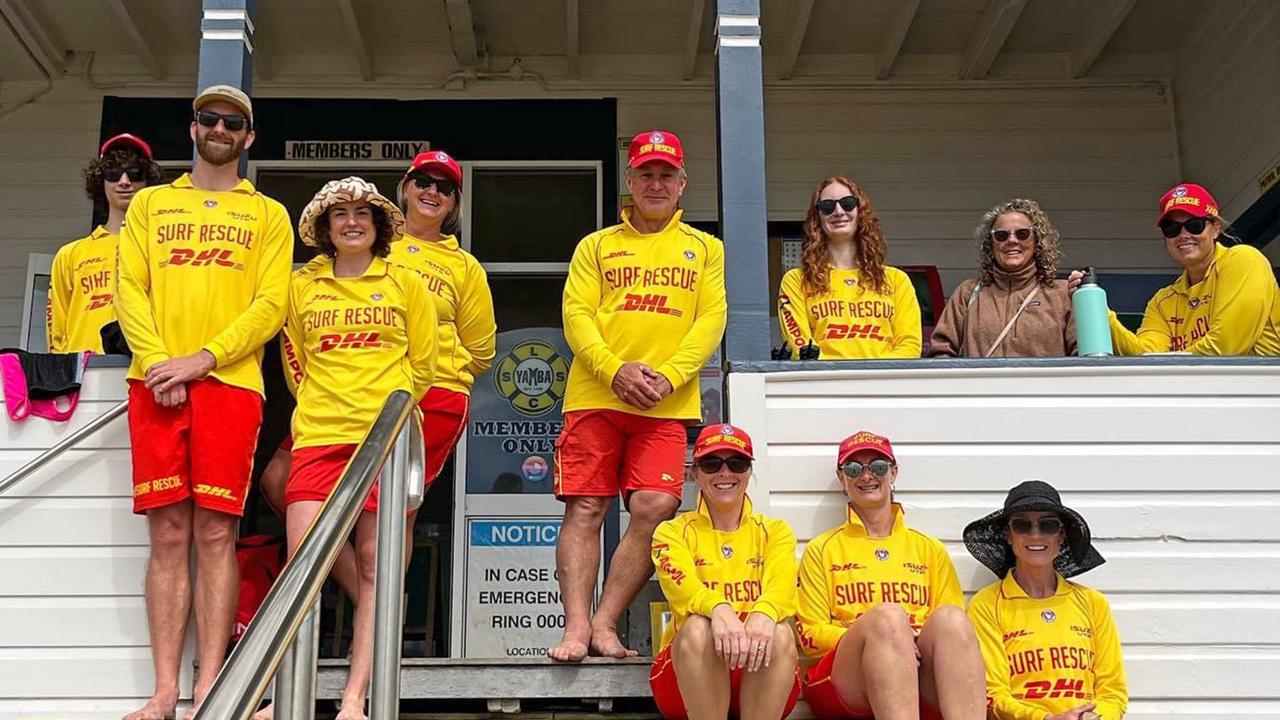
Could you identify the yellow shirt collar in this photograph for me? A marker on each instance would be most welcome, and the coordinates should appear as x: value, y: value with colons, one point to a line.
x: 100, y: 232
x: 626, y: 220
x: 244, y: 186
x: 704, y: 512
x: 1011, y: 589
x: 1183, y: 284
x: 855, y: 523
x: 377, y: 267
x: 447, y: 241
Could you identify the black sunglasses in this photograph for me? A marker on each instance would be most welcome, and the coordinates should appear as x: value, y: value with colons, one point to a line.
x: 1048, y: 525
x: 848, y: 203
x: 135, y: 174
x: 1172, y: 228
x: 443, y: 186
x: 1021, y: 234
x: 853, y: 468
x: 233, y: 123
x: 711, y: 464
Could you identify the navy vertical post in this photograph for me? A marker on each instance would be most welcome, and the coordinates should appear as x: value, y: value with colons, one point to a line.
x: 740, y: 146
x: 226, y: 48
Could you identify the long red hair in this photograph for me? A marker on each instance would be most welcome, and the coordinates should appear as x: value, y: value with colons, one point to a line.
x: 868, y: 244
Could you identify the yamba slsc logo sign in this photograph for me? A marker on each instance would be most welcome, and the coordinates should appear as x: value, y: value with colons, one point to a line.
x: 532, y: 377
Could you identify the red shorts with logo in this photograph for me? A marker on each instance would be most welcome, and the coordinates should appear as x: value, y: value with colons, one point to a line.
x: 666, y: 689
x: 313, y: 471
x: 824, y: 700
x: 202, y: 450
x: 444, y: 417
x: 606, y: 452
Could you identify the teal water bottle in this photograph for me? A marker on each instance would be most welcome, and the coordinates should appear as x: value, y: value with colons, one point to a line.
x: 1093, y: 326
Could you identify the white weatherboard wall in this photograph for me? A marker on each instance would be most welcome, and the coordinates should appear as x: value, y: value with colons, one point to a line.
x: 73, y: 628
x: 1175, y: 468
x: 933, y: 159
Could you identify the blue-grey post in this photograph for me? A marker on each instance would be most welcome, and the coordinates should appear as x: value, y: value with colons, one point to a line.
x: 226, y: 48
x: 743, y: 217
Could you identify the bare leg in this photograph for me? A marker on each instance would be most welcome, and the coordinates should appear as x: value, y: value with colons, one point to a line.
x: 168, y: 593
x: 764, y: 693
x: 700, y: 673
x: 274, y: 480
x: 875, y: 666
x: 630, y: 569
x: 577, y: 563
x: 951, y: 675
x: 353, y: 696
x: 216, y: 588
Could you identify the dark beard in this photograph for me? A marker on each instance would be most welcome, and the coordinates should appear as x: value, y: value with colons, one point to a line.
x: 217, y: 156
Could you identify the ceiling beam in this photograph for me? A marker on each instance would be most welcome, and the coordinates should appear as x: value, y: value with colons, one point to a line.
x: 462, y: 32
x: 692, y: 38
x: 897, y: 34
x: 989, y: 36
x: 355, y: 32
x: 150, y: 55
x: 791, y: 51
x: 571, y: 44
x: 1096, y: 41
x: 47, y: 51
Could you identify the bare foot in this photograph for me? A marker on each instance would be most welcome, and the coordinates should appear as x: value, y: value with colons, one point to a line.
x: 605, y: 643
x: 159, y: 707
x: 353, y: 710
x: 572, y: 647
x: 266, y: 713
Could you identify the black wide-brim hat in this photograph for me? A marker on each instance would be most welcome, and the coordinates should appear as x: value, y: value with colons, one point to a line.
x: 985, y: 538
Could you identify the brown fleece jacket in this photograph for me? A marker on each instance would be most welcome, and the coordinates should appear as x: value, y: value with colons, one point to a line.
x: 1045, y: 328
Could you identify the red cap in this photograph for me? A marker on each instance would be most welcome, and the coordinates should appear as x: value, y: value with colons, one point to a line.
x: 1190, y: 198
x: 126, y: 139
x: 437, y: 160
x: 722, y: 437
x: 656, y: 145
x: 863, y: 440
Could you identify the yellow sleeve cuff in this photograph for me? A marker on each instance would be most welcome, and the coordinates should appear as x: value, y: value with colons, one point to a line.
x: 150, y: 360
x: 609, y: 368
x: 768, y: 610
x: 219, y: 354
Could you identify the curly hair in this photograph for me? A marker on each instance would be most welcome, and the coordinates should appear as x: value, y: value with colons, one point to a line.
x: 125, y: 158
x: 1047, y: 253
x: 385, y: 233
x: 868, y: 243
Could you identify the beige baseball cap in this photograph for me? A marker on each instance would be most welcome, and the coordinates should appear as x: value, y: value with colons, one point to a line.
x: 225, y: 93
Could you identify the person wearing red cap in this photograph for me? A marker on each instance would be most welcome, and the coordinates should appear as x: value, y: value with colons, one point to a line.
x: 843, y: 299
x: 729, y: 575
x: 644, y: 308
x: 881, y: 607
x: 202, y: 285
x: 82, y: 282
x: 1225, y: 302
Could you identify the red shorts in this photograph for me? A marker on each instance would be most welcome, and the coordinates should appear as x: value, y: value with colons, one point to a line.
x: 314, y: 471
x: 824, y: 700
x: 666, y: 689
x: 444, y: 417
x: 202, y: 450
x: 604, y: 452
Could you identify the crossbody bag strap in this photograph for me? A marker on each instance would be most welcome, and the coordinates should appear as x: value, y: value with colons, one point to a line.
x: 1009, y: 326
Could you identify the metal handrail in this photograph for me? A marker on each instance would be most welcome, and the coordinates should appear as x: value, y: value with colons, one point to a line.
x: 244, y: 678
x: 63, y: 445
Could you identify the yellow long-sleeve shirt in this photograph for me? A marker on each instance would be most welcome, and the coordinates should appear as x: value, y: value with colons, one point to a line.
x: 1048, y: 655
x: 203, y: 270
x: 81, y: 288
x: 350, y: 342
x: 1235, y: 310
x: 753, y: 568
x: 851, y: 321
x: 655, y: 298
x: 846, y: 572
x: 460, y: 289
